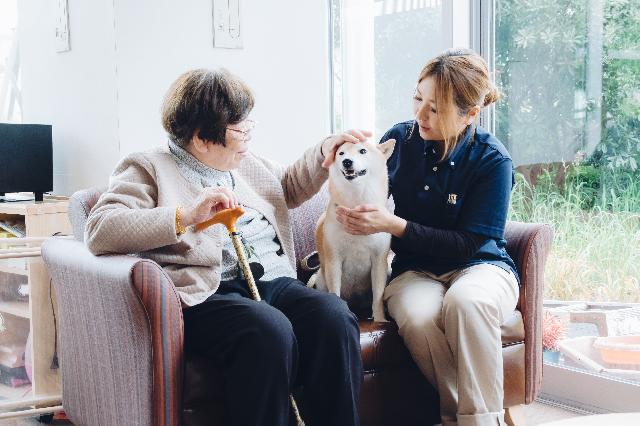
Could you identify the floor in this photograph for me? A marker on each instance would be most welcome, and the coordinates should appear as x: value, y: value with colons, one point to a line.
x: 536, y: 413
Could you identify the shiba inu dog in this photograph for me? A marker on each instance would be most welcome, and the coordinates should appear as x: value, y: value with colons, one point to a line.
x: 355, y: 267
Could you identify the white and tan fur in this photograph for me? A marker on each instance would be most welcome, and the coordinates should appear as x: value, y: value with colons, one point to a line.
x: 351, y: 266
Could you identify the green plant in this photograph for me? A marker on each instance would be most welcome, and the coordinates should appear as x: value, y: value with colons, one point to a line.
x: 553, y: 330
x: 596, y: 249
x: 571, y: 85
x: 586, y: 179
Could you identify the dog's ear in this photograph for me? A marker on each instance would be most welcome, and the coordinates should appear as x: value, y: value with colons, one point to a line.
x: 387, y: 148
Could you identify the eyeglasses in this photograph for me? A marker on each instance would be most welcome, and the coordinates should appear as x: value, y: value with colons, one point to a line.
x: 248, y: 127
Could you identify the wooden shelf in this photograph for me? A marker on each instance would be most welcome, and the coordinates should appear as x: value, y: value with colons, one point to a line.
x: 7, y: 393
x: 34, y: 208
x: 41, y: 220
x: 14, y: 266
x: 17, y: 308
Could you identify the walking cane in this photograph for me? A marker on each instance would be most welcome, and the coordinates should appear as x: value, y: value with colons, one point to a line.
x: 229, y: 218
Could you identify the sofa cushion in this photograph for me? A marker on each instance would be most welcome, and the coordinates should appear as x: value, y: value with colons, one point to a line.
x: 513, y: 329
x: 382, y: 345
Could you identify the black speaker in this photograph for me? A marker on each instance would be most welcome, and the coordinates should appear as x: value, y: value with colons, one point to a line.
x: 26, y: 159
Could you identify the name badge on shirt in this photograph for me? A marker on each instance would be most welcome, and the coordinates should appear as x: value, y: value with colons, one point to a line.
x: 452, y: 199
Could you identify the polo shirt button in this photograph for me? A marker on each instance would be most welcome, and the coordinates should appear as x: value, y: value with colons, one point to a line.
x: 218, y: 244
x: 435, y: 168
x: 426, y: 187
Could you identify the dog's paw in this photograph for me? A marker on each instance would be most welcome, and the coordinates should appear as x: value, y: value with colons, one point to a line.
x: 312, y: 280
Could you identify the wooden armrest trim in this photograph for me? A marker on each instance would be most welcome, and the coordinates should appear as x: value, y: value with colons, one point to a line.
x: 164, y: 315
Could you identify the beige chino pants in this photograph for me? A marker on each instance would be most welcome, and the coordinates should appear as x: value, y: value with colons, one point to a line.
x: 451, y: 325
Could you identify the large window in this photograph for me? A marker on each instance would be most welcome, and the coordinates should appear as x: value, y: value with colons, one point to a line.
x: 9, y: 66
x: 569, y: 71
x: 570, y: 74
x: 378, y: 50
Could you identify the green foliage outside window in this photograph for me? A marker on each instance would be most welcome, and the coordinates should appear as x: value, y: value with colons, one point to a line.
x: 569, y: 71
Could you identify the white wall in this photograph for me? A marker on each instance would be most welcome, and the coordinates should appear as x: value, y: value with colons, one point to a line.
x: 103, y: 97
x: 74, y: 91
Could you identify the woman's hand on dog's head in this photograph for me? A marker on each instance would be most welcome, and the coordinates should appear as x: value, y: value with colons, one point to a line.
x: 332, y: 143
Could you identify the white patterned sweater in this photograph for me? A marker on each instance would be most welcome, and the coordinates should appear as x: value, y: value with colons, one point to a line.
x: 255, y: 229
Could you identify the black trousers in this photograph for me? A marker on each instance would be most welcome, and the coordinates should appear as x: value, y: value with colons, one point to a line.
x: 296, y: 336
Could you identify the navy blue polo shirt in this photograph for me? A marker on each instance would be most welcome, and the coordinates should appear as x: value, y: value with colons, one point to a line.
x: 469, y: 191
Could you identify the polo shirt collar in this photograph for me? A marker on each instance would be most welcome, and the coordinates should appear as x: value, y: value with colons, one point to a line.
x: 460, y: 148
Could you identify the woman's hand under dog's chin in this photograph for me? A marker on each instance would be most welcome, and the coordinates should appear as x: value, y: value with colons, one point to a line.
x: 369, y: 219
x: 331, y: 144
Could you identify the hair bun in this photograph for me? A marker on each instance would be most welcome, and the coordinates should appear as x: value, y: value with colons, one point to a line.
x: 491, y: 97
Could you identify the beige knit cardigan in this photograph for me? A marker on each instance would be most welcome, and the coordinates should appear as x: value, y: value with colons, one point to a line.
x: 136, y: 215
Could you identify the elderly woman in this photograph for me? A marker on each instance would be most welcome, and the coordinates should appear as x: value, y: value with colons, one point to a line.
x: 300, y: 336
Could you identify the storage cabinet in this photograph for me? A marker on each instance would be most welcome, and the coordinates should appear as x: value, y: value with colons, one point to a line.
x: 29, y: 375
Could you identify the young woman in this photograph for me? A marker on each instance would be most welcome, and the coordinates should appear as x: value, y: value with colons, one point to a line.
x: 453, y: 283
x: 297, y: 335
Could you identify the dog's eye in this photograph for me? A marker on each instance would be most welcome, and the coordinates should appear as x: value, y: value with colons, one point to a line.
x: 342, y: 153
x: 363, y: 151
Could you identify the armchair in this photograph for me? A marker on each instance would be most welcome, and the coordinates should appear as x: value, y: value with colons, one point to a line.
x: 121, y: 337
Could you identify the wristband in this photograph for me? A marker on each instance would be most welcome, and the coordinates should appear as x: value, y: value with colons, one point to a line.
x: 179, y: 228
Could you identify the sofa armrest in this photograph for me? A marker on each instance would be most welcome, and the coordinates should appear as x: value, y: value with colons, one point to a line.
x: 80, y: 205
x: 529, y: 245
x: 121, y: 337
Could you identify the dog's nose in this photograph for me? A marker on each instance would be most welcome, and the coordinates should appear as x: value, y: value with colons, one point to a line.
x: 347, y: 163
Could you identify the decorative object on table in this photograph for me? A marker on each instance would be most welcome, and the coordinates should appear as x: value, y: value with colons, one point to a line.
x: 553, y: 329
x: 620, y: 350
x: 581, y: 352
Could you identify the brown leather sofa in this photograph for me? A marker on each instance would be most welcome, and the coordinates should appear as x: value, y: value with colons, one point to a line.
x: 121, y: 338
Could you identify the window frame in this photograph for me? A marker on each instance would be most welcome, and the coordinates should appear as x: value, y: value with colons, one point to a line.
x: 483, y: 18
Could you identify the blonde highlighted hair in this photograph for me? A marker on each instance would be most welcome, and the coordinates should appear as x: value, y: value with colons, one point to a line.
x: 461, y: 80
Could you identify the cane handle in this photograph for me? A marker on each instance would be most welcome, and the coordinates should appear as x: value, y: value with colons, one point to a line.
x: 227, y: 217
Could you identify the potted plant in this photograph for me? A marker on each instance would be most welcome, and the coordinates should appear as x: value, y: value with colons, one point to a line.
x: 553, y: 329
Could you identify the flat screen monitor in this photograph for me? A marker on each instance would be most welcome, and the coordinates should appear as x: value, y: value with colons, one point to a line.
x: 26, y: 159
